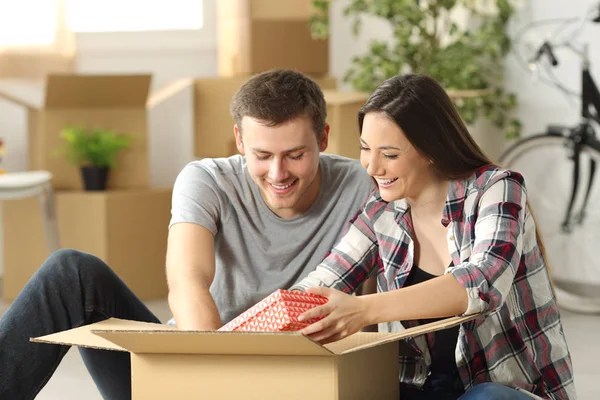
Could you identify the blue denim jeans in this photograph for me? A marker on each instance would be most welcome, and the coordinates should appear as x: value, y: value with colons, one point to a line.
x: 483, y: 391
x: 70, y: 289
x: 493, y: 391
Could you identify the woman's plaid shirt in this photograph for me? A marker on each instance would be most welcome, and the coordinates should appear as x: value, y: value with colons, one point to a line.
x: 492, y: 241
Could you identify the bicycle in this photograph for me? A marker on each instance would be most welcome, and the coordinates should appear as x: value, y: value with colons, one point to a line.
x: 560, y: 170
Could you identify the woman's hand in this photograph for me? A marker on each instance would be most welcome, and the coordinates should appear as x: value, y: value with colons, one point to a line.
x: 344, y: 315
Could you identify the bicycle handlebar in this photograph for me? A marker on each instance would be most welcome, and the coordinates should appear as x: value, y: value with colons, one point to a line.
x: 545, y: 48
x: 597, y: 18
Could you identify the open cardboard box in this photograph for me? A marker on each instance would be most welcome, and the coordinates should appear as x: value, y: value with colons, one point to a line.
x: 167, y: 363
x: 108, y: 101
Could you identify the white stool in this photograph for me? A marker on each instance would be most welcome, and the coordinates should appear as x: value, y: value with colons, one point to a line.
x: 19, y: 185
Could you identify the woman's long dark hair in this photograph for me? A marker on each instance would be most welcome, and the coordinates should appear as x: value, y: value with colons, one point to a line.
x: 430, y: 121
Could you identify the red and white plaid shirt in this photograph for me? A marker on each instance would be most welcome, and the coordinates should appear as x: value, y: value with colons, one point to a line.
x: 492, y: 241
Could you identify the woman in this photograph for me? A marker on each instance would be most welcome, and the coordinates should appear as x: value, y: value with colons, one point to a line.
x: 449, y: 234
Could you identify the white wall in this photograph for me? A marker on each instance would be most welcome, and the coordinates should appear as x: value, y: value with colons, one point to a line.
x: 172, y: 55
x: 540, y: 104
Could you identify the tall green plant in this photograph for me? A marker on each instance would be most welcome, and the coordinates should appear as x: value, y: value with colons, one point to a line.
x: 95, y: 147
x: 427, y: 40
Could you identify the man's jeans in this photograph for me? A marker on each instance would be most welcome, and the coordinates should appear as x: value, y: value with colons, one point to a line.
x: 70, y: 289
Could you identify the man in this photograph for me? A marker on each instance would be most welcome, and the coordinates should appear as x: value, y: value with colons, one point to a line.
x: 241, y: 228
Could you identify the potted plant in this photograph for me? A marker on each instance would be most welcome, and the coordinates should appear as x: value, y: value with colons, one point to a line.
x: 94, y: 151
x: 467, y: 60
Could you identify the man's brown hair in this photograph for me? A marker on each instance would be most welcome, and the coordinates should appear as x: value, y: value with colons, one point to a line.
x: 278, y: 96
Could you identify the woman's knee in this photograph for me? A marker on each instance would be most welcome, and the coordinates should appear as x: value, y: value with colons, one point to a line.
x: 492, y: 391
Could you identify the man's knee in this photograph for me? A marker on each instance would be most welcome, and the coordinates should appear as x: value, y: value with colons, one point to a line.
x: 68, y: 264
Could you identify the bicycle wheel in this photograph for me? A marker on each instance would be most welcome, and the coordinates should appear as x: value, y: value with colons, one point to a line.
x: 573, y: 257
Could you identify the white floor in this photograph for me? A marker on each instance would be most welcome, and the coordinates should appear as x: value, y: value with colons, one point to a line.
x: 72, y: 382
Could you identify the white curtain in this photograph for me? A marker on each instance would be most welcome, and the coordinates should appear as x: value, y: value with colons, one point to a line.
x: 35, y: 39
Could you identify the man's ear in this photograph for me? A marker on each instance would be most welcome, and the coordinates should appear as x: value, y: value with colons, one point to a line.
x: 239, y: 143
x: 325, y: 140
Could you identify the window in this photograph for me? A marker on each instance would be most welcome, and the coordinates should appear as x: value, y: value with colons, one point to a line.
x: 133, y: 15
x: 19, y: 26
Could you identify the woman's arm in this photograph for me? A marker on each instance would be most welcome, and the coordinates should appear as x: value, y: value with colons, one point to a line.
x: 437, y: 298
x: 489, y: 273
x: 344, y: 315
x: 478, y: 285
x: 352, y: 259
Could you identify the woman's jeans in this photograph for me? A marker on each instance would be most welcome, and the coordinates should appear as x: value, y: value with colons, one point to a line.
x: 493, y: 391
x: 483, y: 391
x: 69, y: 290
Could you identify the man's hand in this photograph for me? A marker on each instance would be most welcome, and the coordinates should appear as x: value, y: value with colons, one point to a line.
x: 344, y: 316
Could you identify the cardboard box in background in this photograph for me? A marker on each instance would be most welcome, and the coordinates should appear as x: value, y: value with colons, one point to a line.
x: 257, y: 35
x: 171, y: 364
x: 342, y: 116
x: 107, y: 101
x: 33, y: 65
x: 213, y: 126
x: 127, y: 229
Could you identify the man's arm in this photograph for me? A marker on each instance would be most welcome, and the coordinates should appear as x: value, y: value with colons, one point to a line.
x: 190, y: 272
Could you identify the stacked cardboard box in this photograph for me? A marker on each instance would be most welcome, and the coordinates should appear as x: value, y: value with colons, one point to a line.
x: 342, y: 115
x: 255, y: 36
x: 213, y: 123
x: 126, y: 225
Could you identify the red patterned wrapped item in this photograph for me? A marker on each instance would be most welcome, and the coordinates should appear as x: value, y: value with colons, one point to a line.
x: 278, y: 312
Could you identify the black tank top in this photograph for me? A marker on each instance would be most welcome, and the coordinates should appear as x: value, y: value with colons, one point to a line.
x: 442, y: 355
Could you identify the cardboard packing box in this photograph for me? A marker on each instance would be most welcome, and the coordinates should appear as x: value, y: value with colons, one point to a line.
x: 167, y: 363
x: 125, y: 228
x: 115, y: 102
x: 257, y: 35
x: 278, y: 312
x: 342, y: 116
x: 213, y: 123
x: 33, y: 65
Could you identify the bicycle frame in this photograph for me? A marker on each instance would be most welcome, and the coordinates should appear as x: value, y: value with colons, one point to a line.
x: 590, y: 96
x: 582, y: 135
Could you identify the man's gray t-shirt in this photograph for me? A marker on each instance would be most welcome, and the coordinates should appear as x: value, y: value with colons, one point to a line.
x: 257, y: 252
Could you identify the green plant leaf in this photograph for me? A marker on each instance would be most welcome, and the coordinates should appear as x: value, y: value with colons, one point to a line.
x: 427, y: 40
x: 96, y: 147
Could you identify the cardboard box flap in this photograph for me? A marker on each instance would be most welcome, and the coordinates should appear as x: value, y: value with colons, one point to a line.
x: 354, y: 341
x: 168, y: 91
x: 336, y: 97
x: 97, y: 91
x: 25, y: 93
x: 84, y: 337
x: 374, y: 340
x: 16, y: 100
x: 212, y: 342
